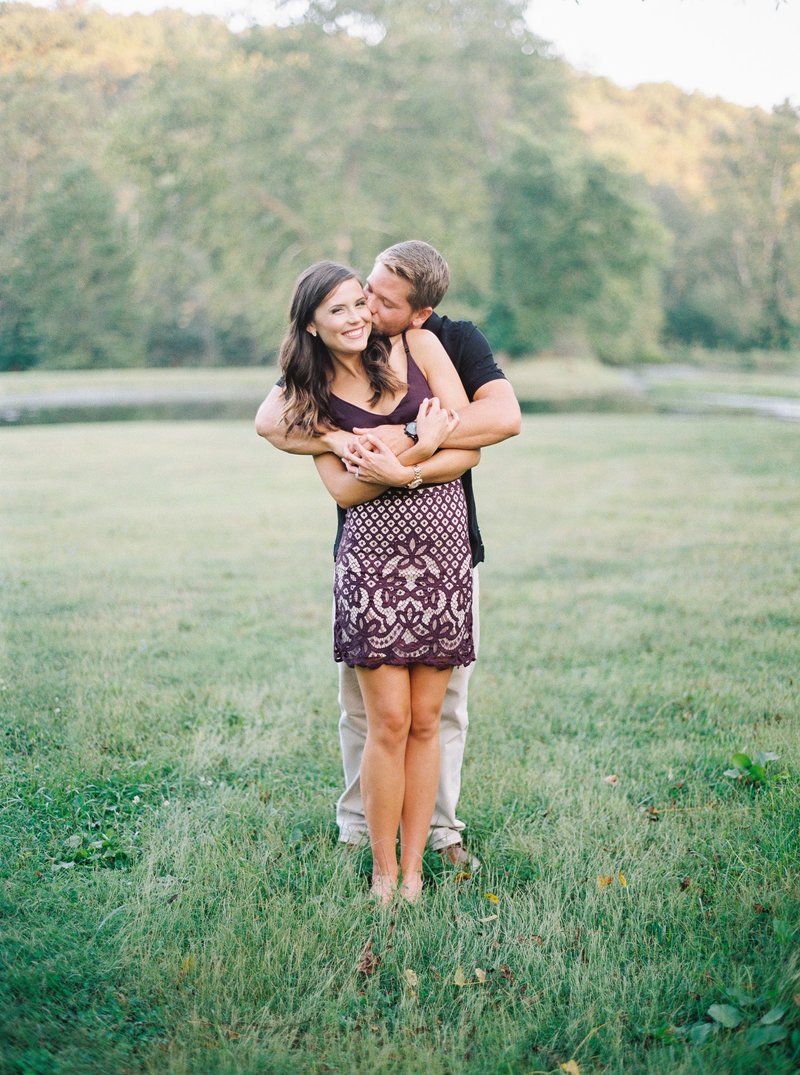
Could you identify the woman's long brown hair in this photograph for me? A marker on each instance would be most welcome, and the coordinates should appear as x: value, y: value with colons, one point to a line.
x: 306, y: 362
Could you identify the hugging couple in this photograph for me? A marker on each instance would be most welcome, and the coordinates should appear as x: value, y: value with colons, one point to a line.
x: 394, y: 403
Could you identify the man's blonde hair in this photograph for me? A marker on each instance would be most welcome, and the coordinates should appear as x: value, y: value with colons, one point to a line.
x: 423, y: 267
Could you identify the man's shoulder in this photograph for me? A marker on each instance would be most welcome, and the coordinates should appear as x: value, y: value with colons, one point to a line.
x: 442, y: 325
x: 462, y: 339
x: 469, y: 351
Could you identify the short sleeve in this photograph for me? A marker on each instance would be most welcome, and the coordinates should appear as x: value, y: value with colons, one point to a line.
x: 476, y: 364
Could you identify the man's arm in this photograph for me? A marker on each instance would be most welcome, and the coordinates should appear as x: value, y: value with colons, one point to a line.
x: 491, y: 417
x: 271, y: 425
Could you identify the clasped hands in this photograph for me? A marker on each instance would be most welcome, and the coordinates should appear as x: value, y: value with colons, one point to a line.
x: 374, y: 455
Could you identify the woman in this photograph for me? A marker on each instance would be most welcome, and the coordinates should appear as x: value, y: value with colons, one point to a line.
x: 403, y: 575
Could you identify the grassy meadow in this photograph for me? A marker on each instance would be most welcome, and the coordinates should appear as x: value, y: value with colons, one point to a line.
x: 173, y: 899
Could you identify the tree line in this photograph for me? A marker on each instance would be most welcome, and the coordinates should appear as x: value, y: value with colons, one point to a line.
x: 165, y: 179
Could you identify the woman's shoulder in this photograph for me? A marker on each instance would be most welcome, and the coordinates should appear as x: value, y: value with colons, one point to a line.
x: 419, y: 335
x: 420, y: 342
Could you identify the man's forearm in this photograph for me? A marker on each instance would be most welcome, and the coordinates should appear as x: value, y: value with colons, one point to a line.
x: 271, y: 425
x: 493, y: 416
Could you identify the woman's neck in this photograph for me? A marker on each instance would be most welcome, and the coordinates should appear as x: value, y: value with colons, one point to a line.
x: 349, y: 368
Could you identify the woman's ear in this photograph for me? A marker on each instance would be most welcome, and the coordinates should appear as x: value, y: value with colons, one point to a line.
x: 310, y: 328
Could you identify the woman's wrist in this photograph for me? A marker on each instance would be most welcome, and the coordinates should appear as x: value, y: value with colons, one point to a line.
x: 416, y: 478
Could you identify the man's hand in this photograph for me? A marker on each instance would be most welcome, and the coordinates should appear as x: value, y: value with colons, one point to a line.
x: 434, y: 425
x: 391, y: 435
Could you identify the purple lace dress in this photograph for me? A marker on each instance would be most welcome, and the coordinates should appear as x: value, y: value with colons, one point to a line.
x: 403, y: 573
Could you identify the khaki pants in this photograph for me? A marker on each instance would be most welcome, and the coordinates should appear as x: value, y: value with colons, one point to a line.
x: 446, y: 829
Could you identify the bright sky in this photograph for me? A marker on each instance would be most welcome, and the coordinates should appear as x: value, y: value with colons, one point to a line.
x: 747, y: 51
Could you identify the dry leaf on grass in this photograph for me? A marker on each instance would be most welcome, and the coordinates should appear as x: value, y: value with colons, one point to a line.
x: 604, y: 880
x: 368, y: 961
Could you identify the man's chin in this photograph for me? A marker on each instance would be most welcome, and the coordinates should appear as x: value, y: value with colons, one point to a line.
x: 382, y: 330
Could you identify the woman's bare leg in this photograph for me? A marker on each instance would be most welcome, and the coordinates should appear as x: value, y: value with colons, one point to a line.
x: 428, y: 686
x: 387, y: 700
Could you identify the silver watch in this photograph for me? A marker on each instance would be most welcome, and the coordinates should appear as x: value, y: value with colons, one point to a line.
x: 410, y: 430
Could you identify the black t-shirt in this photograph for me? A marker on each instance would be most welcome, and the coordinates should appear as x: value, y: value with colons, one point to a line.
x: 472, y: 357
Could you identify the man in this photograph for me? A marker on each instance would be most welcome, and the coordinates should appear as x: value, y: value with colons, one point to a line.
x: 407, y: 282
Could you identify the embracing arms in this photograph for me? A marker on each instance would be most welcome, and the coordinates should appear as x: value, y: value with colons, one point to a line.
x: 491, y: 417
x: 370, y: 466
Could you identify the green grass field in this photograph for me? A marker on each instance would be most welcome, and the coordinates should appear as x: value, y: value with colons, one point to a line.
x: 173, y: 899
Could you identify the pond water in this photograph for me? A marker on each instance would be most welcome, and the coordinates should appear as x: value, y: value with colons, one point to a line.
x: 208, y: 404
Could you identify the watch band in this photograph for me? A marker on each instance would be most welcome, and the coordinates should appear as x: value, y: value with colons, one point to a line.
x: 416, y: 481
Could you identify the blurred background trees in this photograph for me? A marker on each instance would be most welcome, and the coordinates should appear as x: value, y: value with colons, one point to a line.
x: 164, y: 180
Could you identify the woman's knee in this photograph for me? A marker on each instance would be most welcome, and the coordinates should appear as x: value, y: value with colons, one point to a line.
x: 391, y: 727
x: 424, y: 723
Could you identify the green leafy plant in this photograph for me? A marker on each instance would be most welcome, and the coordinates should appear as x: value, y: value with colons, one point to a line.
x: 758, y: 1031
x: 749, y: 770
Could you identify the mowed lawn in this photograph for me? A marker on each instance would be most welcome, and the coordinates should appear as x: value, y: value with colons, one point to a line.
x: 173, y: 898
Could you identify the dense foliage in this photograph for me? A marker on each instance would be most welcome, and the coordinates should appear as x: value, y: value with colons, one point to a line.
x: 165, y: 179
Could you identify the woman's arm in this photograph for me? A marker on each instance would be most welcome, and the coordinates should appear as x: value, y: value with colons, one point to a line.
x: 440, y: 373
x: 379, y: 469
x: 371, y: 460
x: 345, y: 488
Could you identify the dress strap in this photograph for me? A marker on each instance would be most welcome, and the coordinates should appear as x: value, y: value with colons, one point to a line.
x: 405, y: 345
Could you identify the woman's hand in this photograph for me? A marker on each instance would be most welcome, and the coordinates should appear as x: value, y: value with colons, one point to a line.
x: 435, y: 423
x: 370, y: 460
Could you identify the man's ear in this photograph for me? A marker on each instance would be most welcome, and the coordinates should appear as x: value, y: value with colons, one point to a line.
x: 419, y: 317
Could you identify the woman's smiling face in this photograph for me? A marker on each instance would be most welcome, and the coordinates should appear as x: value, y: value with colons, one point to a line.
x: 342, y: 320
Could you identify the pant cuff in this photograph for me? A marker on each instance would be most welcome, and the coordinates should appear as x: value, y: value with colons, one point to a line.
x: 354, y: 837
x: 442, y: 838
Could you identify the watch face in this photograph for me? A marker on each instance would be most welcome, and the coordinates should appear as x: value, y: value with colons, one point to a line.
x: 411, y: 429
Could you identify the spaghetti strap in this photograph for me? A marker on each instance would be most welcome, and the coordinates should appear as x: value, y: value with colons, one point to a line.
x: 405, y: 345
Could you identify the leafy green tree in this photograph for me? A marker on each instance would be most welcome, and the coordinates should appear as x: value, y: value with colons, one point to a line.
x: 758, y: 191
x: 572, y: 244
x: 18, y: 347
x: 76, y: 271
x: 735, y: 276
x: 222, y: 164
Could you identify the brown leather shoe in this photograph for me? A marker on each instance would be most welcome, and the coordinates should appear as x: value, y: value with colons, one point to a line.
x: 457, y: 855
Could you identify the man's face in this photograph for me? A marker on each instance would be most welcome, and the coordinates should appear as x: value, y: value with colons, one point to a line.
x: 387, y: 297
